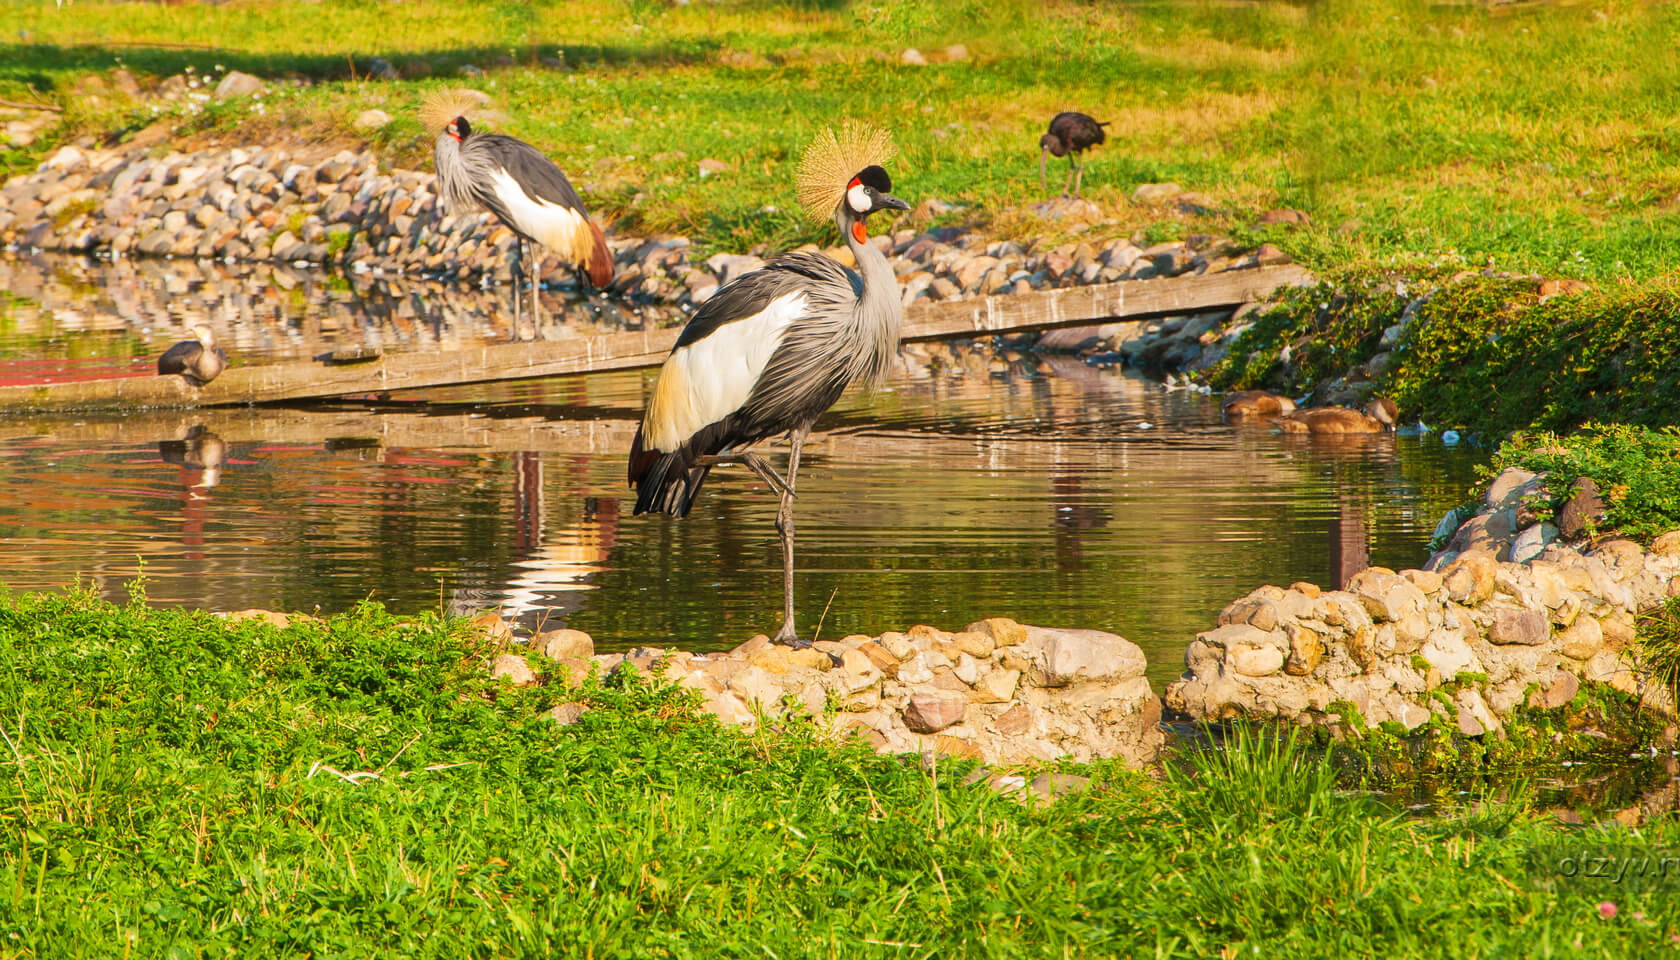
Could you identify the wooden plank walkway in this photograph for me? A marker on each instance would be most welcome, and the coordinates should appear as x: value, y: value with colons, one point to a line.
x: 311, y: 380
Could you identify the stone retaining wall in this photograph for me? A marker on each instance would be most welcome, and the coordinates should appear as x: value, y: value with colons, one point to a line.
x: 996, y: 691
x: 1469, y: 642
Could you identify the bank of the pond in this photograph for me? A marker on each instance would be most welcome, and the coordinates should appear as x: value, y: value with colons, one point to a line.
x: 182, y: 782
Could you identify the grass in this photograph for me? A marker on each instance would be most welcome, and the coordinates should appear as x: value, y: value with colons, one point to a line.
x: 1637, y: 472
x: 1540, y: 139
x: 165, y: 794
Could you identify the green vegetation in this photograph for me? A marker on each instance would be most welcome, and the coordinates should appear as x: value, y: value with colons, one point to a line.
x: 1489, y: 354
x: 180, y: 786
x: 1637, y: 472
x: 1658, y: 641
x: 1540, y: 139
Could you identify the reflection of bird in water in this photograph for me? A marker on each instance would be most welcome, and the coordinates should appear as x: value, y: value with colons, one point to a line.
x: 1255, y: 403
x: 197, y: 361
x: 772, y: 350
x: 201, y: 450
x: 1070, y: 135
x: 1379, y: 415
x: 520, y: 185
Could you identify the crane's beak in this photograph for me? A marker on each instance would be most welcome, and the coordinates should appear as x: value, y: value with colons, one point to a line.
x: 1042, y: 153
x: 887, y: 201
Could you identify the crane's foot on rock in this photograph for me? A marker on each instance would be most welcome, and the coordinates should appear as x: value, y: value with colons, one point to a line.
x: 788, y: 637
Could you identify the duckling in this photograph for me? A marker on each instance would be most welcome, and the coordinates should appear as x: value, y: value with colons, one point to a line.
x: 1379, y: 415
x: 1255, y: 403
x: 197, y: 361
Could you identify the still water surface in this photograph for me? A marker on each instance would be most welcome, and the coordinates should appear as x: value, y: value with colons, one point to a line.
x: 1054, y: 493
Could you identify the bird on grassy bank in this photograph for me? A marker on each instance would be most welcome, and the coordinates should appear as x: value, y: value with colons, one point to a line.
x: 1070, y: 135
x: 198, y: 361
x: 1255, y: 403
x: 1380, y: 415
x: 773, y: 349
x: 519, y: 185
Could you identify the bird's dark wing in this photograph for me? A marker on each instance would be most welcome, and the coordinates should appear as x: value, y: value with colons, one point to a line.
x: 537, y: 174
x: 180, y: 358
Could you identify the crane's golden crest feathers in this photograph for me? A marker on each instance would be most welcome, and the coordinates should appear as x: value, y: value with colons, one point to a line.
x: 833, y: 159
x: 442, y: 106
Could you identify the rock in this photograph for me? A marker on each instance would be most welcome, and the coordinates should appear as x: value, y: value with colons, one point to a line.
x: 273, y: 618
x: 1253, y: 661
x: 1469, y: 579
x: 381, y: 69
x: 1584, y: 508
x: 1306, y: 650
x: 931, y: 712
x: 997, y: 686
x: 1051, y: 786
x: 513, y: 668
x: 371, y: 120
x: 1666, y: 544
x: 1530, y: 542
x: 1072, y: 656
x: 1559, y: 692
x: 1290, y: 218
x: 1156, y: 194
x: 491, y: 626
x: 1525, y: 627
x: 1003, y: 631
x: 956, y: 53
x: 566, y: 714
x: 237, y: 84
x: 563, y: 644
x: 911, y: 57
x: 711, y: 167
x: 1268, y: 253
x: 1581, y: 639
x: 1508, y: 489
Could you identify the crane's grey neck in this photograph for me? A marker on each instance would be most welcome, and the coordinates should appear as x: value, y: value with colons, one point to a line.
x: 454, y: 181
x: 880, y: 311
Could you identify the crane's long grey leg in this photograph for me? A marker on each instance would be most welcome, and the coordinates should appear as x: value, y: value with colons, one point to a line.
x: 536, y: 285
x: 784, y: 524
x: 513, y: 329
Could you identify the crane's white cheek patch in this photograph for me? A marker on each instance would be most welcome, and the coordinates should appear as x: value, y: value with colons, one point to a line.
x: 858, y: 197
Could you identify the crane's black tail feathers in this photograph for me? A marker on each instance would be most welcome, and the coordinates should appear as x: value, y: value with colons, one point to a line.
x: 669, y: 482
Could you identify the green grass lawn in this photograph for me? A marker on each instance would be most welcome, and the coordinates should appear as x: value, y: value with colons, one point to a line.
x: 166, y: 794
x: 1539, y: 139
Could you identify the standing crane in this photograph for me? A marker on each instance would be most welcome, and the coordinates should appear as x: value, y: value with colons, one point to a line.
x: 198, y: 361
x: 773, y: 349
x: 519, y: 185
x: 1070, y: 135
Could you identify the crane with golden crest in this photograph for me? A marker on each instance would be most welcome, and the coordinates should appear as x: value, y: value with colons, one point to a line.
x: 519, y: 185
x: 775, y: 348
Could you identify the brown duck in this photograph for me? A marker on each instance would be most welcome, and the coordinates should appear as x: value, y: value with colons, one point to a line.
x: 1256, y: 403
x: 1379, y: 415
x: 197, y: 361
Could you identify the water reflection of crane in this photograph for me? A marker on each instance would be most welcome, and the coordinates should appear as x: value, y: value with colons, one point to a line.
x: 554, y: 568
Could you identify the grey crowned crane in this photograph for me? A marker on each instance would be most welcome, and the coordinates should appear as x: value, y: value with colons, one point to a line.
x: 519, y: 185
x: 1070, y: 135
x: 198, y: 361
x: 773, y: 349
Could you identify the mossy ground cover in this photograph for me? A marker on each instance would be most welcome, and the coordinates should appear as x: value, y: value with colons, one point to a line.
x: 1541, y: 138
x: 166, y: 793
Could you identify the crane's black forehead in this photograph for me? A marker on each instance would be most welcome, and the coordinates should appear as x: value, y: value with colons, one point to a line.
x: 874, y: 177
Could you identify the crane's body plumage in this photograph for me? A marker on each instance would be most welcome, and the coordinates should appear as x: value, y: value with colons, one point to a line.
x: 513, y: 180
x: 774, y: 349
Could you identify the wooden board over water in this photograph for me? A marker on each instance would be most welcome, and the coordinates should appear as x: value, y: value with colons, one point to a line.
x: 311, y: 380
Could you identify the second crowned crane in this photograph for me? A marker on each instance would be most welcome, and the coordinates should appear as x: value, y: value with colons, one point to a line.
x: 775, y: 348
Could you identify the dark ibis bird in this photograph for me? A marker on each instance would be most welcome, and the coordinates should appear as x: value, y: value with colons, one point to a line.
x: 1070, y: 135
x: 1379, y: 415
x: 774, y: 348
x: 198, y: 361
x: 519, y: 185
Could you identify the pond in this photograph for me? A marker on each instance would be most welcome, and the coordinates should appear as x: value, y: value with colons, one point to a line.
x: 1041, y: 489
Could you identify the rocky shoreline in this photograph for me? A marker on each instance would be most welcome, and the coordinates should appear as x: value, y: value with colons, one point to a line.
x: 282, y: 205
